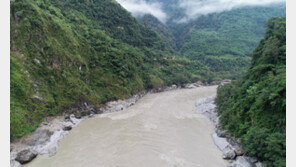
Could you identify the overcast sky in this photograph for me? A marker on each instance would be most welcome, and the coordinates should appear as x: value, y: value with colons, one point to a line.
x: 192, y: 8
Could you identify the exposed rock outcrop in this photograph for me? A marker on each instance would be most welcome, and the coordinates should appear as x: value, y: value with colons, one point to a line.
x: 25, y: 156
x: 229, y: 145
x: 228, y: 153
x: 67, y: 128
x: 242, y: 161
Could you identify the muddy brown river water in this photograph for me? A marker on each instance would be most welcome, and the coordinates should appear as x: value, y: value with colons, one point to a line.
x: 160, y: 130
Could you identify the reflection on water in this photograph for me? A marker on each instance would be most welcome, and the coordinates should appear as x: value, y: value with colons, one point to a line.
x: 162, y: 129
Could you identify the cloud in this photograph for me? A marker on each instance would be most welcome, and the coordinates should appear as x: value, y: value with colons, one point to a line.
x: 195, y: 8
x: 141, y: 7
x: 191, y: 8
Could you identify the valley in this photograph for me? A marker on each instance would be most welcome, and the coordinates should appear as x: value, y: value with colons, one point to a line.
x: 73, y: 58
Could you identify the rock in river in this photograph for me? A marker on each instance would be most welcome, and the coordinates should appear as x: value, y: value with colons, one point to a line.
x: 67, y: 128
x: 25, y: 156
x: 228, y: 153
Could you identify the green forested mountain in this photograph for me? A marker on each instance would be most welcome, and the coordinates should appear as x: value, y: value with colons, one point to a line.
x: 253, y: 108
x: 65, y: 53
x: 222, y: 41
x: 165, y: 33
x: 225, y: 41
x: 236, y: 32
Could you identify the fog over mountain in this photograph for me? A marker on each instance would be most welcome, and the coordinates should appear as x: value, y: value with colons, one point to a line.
x: 192, y: 8
x: 141, y: 7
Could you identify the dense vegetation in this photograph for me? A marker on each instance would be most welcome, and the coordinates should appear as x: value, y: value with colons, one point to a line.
x: 224, y: 42
x: 165, y: 33
x: 253, y: 108
x: 235, y: 32
x: 65, y: 53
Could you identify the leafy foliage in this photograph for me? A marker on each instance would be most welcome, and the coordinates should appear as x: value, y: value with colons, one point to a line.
x: 65, y: 53
x: 222, y: 41
x: 254, y: 107
x: 165, y: 33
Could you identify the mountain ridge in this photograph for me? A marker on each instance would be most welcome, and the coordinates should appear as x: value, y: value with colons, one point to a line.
x: 66, y: 53
x: 253, y: 108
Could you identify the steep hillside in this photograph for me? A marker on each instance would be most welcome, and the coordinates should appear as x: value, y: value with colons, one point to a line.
x: 65, y: 53
x: 223, y: 41
x: 253, y: 108
x: 166, y: 35
x: 236, y: 32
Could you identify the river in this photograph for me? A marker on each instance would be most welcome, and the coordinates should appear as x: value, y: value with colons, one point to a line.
x: 161, y: 129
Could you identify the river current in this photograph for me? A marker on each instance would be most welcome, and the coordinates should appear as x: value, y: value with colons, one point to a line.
x: 160, y: 130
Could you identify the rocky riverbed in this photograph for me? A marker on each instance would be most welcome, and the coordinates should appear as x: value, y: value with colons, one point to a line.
x: 44, y: 140
x: 230, y: 146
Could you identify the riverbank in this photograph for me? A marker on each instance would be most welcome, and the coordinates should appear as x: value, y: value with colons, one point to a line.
x: 44, y: 140
x: 161, y: 129
x: 230, y: 146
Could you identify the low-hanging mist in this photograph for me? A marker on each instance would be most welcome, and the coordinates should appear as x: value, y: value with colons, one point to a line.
x: 141, y: 7
x: 191, y: 8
